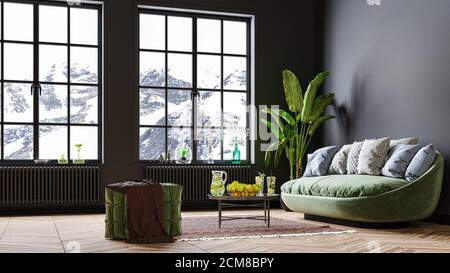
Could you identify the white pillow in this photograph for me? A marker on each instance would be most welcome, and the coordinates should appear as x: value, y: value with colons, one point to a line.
x: 373, y: 156
x: 339, y: 163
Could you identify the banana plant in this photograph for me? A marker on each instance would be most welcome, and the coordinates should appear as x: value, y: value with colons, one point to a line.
x: 295, y: 128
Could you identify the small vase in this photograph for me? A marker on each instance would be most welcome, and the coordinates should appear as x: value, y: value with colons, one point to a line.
x: 210, y: 156
x: 236, y: 155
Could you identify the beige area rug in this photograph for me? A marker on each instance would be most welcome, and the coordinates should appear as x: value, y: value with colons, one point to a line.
x: 206, y: 228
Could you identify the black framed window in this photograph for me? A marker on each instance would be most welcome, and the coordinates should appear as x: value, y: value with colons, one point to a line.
x: 194, y: 85
x: 51, y: 80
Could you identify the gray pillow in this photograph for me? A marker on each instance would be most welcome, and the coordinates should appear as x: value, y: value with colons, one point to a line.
x: 421, y: 162
x: 399, y: 158
x: 339, y: 163
x: 353, y: 157
x: 319, y: 161
x: 373, y: 155
x: 408, y: 141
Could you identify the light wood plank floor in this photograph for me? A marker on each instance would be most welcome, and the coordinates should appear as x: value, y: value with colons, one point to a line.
x: 84, y: 233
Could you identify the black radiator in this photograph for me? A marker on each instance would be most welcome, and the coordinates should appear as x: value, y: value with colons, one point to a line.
x: 196, y: 180
x: 22, y: 186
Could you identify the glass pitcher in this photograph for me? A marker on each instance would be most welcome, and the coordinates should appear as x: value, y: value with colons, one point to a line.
x: 219, y: 178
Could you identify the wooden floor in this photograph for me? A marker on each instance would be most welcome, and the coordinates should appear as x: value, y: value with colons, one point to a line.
x: 84, y: 233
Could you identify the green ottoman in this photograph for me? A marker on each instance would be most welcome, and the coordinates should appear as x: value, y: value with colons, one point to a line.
x: 116, y: 212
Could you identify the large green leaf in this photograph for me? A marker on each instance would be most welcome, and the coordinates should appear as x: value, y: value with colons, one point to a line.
x: 312, y: 129
x: 287, y: 117
x: 310, y: 95
x: 320, y: 104
x: 274, y: 129
x: 272, y: 147
x: 292, y: 91
x: 275, y: 115
x: 278, y: 153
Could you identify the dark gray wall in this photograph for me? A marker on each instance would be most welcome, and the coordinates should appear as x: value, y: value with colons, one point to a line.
x: 284, y: 39
x: 389, y: 69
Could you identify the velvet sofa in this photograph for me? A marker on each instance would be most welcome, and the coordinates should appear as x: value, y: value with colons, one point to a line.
x: 366, y: 199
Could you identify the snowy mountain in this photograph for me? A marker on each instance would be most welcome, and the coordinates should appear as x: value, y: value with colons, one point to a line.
x: 152, y: 105
x: 54, y: 101
x: 53, y: 105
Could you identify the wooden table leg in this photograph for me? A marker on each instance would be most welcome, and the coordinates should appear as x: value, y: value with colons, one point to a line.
x: 220, y: 213
x: 265, y: 211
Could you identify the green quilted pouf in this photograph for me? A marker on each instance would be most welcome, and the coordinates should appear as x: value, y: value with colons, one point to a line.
x: 116, y: 212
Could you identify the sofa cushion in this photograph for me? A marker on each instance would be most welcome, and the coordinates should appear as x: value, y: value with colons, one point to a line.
x: 343, y: 185
x: 319, y: 161
x: 420, y: 163
x: 373, y: 155
x: 399, y: 158
x: 339, y: 163
x: 353, y: 157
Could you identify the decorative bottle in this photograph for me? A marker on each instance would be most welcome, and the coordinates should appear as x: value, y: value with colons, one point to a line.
x: 236, y: 157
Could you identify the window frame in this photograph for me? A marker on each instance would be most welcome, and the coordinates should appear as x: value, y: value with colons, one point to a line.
x: 195, y: 15
x: 36, y: 43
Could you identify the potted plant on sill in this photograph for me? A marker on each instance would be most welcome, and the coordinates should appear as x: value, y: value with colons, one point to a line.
x: 62, y: 160
x: 295, y: 128
x: 79, y: 160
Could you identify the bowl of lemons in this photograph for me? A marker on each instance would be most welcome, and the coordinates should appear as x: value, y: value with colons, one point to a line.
x: 237, y: 189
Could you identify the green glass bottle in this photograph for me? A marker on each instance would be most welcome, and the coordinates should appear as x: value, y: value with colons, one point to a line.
x: 236, y: 155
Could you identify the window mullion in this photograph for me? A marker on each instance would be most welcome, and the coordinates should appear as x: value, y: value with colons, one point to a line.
x: 166, y: 87
x: 222, y: 133
x: 2, y: 114
x: 68, y: 84
x: 35, y: 81
x: 194, y: 94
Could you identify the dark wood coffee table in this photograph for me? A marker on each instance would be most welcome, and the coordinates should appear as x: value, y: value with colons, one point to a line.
x: 228, y: 201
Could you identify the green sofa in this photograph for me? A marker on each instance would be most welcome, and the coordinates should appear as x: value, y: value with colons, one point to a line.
x: 116, y: 212
x: 366, y: 199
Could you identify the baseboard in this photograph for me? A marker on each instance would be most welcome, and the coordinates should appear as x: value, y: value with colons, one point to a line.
x: 439, y: 219
x: 357, y: 224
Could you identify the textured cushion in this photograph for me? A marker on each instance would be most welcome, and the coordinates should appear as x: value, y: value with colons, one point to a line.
x: 343, y: 185
x: 420, y: 163
x: 407, y: 141
x: 319, y: 161
x: 399, y: 158
x: 353, y: 157
x: 339, y: 163
x: 373, y: 155
x: 116, y: 212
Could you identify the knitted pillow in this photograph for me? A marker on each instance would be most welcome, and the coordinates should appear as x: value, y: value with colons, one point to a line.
x: 339, y: 163
x: 353, y: 157
x: 373, y: 155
